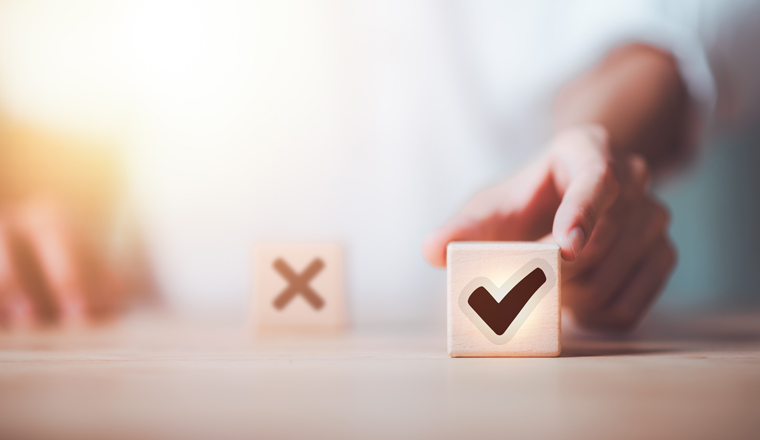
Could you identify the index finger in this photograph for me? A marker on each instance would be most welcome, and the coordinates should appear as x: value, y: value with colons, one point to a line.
x: 588, y: 183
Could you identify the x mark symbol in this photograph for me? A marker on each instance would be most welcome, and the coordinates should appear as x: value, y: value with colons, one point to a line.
x: 298, y: 284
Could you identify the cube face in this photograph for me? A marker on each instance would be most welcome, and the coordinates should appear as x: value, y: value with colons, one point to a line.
x: 503, y: 299
x: 298, y: 287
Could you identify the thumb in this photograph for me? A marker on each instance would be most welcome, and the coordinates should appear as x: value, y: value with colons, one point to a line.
x: 520, y: 209
x: 434, y: 247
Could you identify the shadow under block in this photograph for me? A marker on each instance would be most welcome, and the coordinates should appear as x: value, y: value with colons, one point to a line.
x: 298, y: 287
x: 503, y: 299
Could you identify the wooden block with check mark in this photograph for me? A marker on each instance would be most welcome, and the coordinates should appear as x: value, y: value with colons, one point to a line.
x: 503, y: 299
x: 298, y: 287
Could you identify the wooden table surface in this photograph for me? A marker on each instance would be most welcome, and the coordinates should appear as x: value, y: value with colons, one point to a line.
x: 694, y: 377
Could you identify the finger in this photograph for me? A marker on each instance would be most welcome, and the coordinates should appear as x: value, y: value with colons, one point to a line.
x: 611, y: 226
x: 588, y: 183
x: 587, y: 198
x: 618, y: 265
x: 16, y: 308
x: 606, y: 233
x: 638, y: 295
x: 54, y: 249
x: 639, y: 171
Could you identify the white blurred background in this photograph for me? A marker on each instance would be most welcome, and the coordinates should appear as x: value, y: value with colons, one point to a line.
x: 363, y: 122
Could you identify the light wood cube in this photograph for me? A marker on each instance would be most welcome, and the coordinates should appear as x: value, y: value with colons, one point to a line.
x: 503, y: 299
x: 298, y: 288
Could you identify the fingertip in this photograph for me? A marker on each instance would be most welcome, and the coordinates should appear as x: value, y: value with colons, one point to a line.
x: 639, y: 170
x: 572, y: 243
x: 434, y: 249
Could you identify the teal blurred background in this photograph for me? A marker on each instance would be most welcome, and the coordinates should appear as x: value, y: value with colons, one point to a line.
x: 715, y: 206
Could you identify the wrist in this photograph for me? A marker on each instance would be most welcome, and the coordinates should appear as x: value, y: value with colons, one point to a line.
x: 636, y: 92
x: 593, y: 138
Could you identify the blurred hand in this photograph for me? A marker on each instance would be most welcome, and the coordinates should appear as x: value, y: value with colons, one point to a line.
x: 598, y: 208
x: 51, y: 271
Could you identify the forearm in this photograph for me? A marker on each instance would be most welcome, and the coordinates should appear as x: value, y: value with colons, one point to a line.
x: 637, y: 94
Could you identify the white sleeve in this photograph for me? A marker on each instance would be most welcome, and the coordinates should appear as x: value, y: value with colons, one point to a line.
x: 669, y: 25
x: 730, y: 30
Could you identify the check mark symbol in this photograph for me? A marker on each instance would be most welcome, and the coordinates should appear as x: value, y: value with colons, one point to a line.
x: 500, y: 315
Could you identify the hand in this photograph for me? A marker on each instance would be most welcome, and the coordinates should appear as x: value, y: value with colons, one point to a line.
x: 51, y: 271
x: 598, y: 208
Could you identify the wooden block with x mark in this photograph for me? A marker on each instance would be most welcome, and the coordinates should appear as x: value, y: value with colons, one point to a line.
x: 298, y: 287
